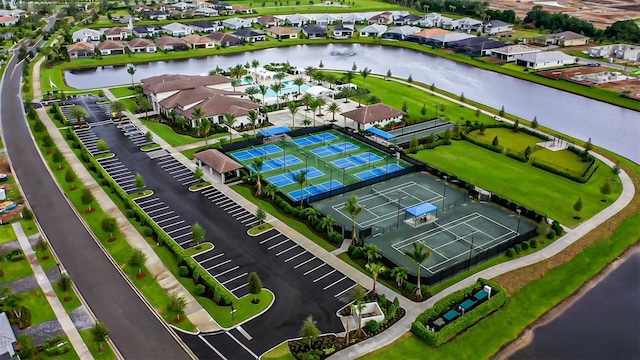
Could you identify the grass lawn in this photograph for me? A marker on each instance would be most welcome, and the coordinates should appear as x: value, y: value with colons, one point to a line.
x: 46, y: 259
x: 173, y: 138
x: 94, y: 348
x: 563, y: 159
x: 280, y: 352
x: 7, y: 234
x: 37, y: 303
x: 122, y: 91
x: 150, y: 147
x: 522, y: 183
x: 191, y: 152
x: 256, y: 230
x: 14, y: 270
x: 29, y: 227
x: 71, y: 355
x: 517, y: 141
x: 295, y: 224
x: 70, y: 305
x: 192, y: 251
x: 130, y: 104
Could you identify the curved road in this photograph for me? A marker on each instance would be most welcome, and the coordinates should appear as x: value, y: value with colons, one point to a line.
x: 135, y: 329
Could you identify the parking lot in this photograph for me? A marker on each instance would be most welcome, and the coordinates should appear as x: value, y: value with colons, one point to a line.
x: 90, y: 140
x: 134, y: 134
x: 121, y: 174
x: 98, y: 111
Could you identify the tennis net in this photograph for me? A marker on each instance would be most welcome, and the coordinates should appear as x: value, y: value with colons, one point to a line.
x: 379, y: 194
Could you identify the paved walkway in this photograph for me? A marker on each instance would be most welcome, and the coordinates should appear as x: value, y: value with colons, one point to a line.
x: 65, y: 321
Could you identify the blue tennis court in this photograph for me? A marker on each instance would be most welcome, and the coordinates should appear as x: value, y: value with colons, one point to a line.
x: 315, y: 189
x: 356, y: 160
x: 277, y: 163
x: 263, y: 151
x: 379, y: 171
x: 289, y: 177
x: 314, y: 139
x: 332, y: 149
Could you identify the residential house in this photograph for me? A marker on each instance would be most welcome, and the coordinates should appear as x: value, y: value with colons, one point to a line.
x: 269, y: 21
x: 160, y: 87
x: 168, y: 43
x: 241, y: 9
x: 463, y: 24
x: 478, y: 45
x: 117, y: 33
x: 297, y: 20
x: 543, y: 60
x: 140, y: 8
x: 384, y: 18
x: 314, y: 32
x: 205, y: 26
x: 497, y: 26
x: 7, y: 338
x: 400, y: 32
x: 374, y: 30
x: 111, y: 47
x: 511, y: 53
x: 199, y: 42
x: 281, y: 33
x: 343, y: 31
x: 206, y: 4
x: 565, y: 38
x: 12, y: 12
x: 141, y: 45
x: 422, y: 36
x: 224, y: 39
x: 157, y: 15
x: 85, y: 35
x: 248, y: 35
x: 353, y: 19
x: 177, y: 29
x: 367, y: 116
x: 182, y: 6
x: 432, y: 20
x: 444, y: 39
x: 410, y: 19
x: 146, y: 31
x: 224, y: 9
x: 325, y: 20
x: 216, y: 163
x: 235, y: 23
x: 623, y: 52
x: 205, y: 12
x: 8, y: 20
x: 81, y: 50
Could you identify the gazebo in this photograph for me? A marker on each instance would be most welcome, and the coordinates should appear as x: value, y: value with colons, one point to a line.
x: 216, y: 163
x: 274, y: 133
x: 381, y: 134
x: 420, y: 215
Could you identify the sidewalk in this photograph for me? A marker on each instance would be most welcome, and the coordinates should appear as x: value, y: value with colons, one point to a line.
x: 65, y: 321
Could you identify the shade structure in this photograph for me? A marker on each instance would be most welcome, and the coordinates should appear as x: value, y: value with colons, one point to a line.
x: 421, y: 209
x: 381, y: 134
x: 274, y: 131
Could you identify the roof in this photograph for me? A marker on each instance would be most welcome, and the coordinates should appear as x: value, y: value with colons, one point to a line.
x: 265, y: 19
x: 117, y: 31
x: 380, y: 133
x: 196, y: 39
x: 234, y: 21
x: 111, y: 45
x: 431, y: 32
x: 145, y: 29
x: 499, y: 23
x: 545, y: 57
x: 412, y: 17
x: 344, y: 27
x: 296, y: 18
x: 223, y: 37
x: 374, y: 28
x: 248, y: 33
x: 314, y: 29
x: 168, y: 40
x: 157, y: 12
x: 203, y: 24
x: 213, y: 102
x: 274, y: 131
x: 456, y: 36
x: 80, y: 46
x: 421, y: 209
x: 7, y: 336
x: 138, y: 43
x: 567, y: 35
x: 279, y: 30
x: 218, y: 161
x: 516, y: 49
x: 83, y: 32
x: 373, y: 113
x: 164, y: 83
x: 404, y: 30
x: 174, y: 27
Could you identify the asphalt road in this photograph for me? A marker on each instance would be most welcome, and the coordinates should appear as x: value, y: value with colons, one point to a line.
x: 136, y: 331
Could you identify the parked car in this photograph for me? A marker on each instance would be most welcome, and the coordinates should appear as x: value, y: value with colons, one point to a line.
x: 593, y: 64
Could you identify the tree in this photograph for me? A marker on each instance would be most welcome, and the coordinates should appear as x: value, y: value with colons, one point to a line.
x: 198, y: 233
x: 137, y: 260
x: 365, y: 72
x: 400, y: 274
x: 423, y: 111
x: 501, y: 113
x: 348, y: 76
x: 495, y: 141
x: 257, y: 165
x: 277, y: 87
x: 432, y: 87
x: 139, y: 182
x: 410, y: 79
x: 79, y: 113
x: 176, y: 306
x: 482, y: 128
x: 102, y: 145
x: 131, y: 70
x: 109, y: 225
x: 293, y: 109
x: 148, y: 136
x: 204, y: 126
x: 299, y: 81
x: 309, y: 70
x: 309, y: 331
x: 261, y: 215
x: 327, y: 223
x: 198, y: 173
x: 462, y: 98
x: 11, y: 301
x: 301, y: 178
x: 57, y: 158
x: 252, y: 115
x: 25, y: 346
x: 478, y: 112
x: 255, y: 286
x: 360, y: 92
x: 321, y: 102
x: 229, y: 121
x: 100, y: 334
x: 534, y: 123
x: 314, y: 105
x: 263, y: 89
x: 405, y: 107
x: 578, y: 205
x: 418, y: 255
x: 321, y: 65
x: 69, y: 176
x: 527, y: 152
x: 358, y: 295
x: 270, y: 190
x: 87, y: 198
x: 389, y: 73
x: 354, y: 67
x: 375, y: 269
x: 372, y: 251
x: 516, y: 125
x: 605, y: 189
x: 588, y: 146
x: 354, y: 209
x: 254, y: 64
x: 118, y: 107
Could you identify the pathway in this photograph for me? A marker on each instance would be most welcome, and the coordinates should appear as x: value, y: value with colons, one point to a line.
x: 65, y: 321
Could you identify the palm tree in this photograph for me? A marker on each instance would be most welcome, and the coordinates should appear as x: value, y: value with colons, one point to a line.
x: 252, y: 91
x: 293, y: 109
x: 118, y: 107
x: 11, y: 301
x: 360, y: 92
x: 237, y: 72
x: 253, y: 119
x: 418, y: 255
x: 348, y: 76
x: 131, y: 70
x: 375, y: 269
x: 145, y: 105
x: 347, y: 92
x: 372, y: 252
x: 301, y: 177
x: 399, y: 274
x: 78, y: 112
x: 365, y: 72
x: 270, y: 190
x: 254, y: 64
x: 309, y: 70
x: 229, y: 120
x: 197, y: 114
x: 321, y: 102
x: 327, y: 223
x: 299, y: 81
x: 353, y: 209
x: 314, y: 105
x: 277, y: 87
x: 306, y: 100
x: 204, y: 126
x: 333, y: 108
x: 263, y: 89
x: 279, y: 76
x: 257, y: 165
x: 235, y: 83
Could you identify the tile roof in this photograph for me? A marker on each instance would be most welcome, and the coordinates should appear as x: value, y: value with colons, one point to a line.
x: 140, y: 43
x: 80, y: 46
x: 279, y: 30
x: 431, y: 32
x: 164, y: 83
x: 372, y: 113
x: 196, y: 39
x: 213, y: 102
x: 223, y: 37
x: 218, y: 161
x: 168, y: 41
x: 111, y: 45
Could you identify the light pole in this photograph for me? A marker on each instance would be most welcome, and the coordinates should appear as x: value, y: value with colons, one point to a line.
x: 444, y: 194
x: 518, y: 228
x: 470, y: 252
x: 233, y: 310
x: 437, y: 106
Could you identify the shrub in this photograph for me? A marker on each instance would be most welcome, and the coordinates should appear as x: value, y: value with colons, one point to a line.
x: 551, y: 234
x: 533, y: 243
x: 199, y: 290
x: 425, y: 290
x: 392, y: 311
x: 217, y: 296
x: 183, y: 271
x: 225, y: 300
x: 372, y: 326
x: 525, y: 245
x: 39, y: 126
x: 409, y: 287
x: 148, y: 231
x: 511, y: 252
x: 129, y: 214
x: 518, y: 248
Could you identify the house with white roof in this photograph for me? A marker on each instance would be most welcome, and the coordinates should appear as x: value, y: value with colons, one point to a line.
x: 431, y: 20
x: 7, y: 338
x: 497, y: 26
x: 86, y: 35
x: 182, y: 6
x: 353, y: 19
x: 400, y: 32
x: 205, y: 12
x: 511, y: 53
x: 325, y: 20
x: 235, y: 23
x: 544, y: 60
x: 463, y: 24
x: 297, y: 20
x: 374, y: 30
x: 177, y: 29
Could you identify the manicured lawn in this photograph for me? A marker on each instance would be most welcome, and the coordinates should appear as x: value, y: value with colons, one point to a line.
x: 71, y: 355
x: 29, y: 227
x: 46, y: 259
x: 191, y: 152
x: 37, y: 303
x: 14, y: 270
x: 7, y: 234
x: 522, y: 183
x: 295, y: 224
x: 70, y: 305
x: 171, y: 137
x: 203, y: 247
x: 281, y: 352
x: 123, y: 91
x: 94, y: 348
x: 130, y: 104
x: 260, y: 229
x: 563, y: 159
x: 517, y: 141
x: 150, y: 147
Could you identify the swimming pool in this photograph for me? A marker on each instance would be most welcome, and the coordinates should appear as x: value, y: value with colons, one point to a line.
x: 288, y: 89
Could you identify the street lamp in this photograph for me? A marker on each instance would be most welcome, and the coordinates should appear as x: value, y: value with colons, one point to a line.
x: 444, y: 194
x: 437, y: 106
x: 470, y: 252
x: 518, y: 228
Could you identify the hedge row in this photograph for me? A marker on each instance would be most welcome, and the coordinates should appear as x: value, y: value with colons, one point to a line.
x: 488, y: 146
x: 517, y: 156
x: 449, y: 331
x: 591, y: 169
x: 525, y: 130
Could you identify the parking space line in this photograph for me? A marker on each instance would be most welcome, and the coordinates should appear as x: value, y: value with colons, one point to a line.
x: 216, y: 197
x: 254, y: 223
x: 179, y: 173
x: 208, y: 191
x: 239, y: 287
x: 233, y: 209
x: 241, y: 344
x: 163, y: 160
x: 157, y: 216
x: 345, y: 290
x: 190, y: 182
x: 228, y: 271
x: 325, y: 275
x: 247, y: 219
x: 333, y: 283
x: 179, y: 236
x: 218, y: 264
x: 174, y: 224
x: 169, y: 219
x: 111, y: 171
x: 284, y: 251
x: 146, y: 200
x: 176, y: 230
x: 295, y: 256
x: 265, y: 240
x: 225, y: 202
x: 243, y: 216
x: 184, y: 177
x: 297, y: 266
x: 211, y: 258
x: 314, y: 269
x: 212, y: 347
x: 122, y: 176
x: 234, y: 278
x: 152, y: 211
x: 151, y: 206
x: 184, y: 242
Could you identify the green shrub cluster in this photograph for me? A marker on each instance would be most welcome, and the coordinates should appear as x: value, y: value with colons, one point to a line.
x: 449, y: 331
x: 14, y: 255
x: 56, y: 345
x: 485, y: 145
x: 589, y: 171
